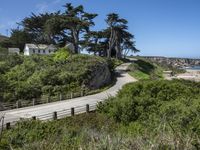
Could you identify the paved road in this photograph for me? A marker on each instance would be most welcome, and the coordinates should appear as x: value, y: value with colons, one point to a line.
x: 28, y: 112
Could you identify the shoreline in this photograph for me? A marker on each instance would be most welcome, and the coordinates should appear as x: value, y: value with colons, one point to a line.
x: 190, y: 74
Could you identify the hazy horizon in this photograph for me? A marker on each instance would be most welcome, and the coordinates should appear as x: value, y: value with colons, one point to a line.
x: 161, y: 28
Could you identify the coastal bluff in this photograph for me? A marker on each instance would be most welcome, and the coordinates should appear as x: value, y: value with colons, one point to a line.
x: 173, y: 61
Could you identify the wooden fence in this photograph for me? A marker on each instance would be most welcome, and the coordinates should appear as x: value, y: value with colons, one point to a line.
x: 55, y: 115
x: 38, y: 101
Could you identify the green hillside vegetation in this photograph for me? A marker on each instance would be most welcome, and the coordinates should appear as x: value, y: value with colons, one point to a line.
x: 32, y: 77
x: 3, y: 51
x: 142, y: 69
x: 148, y: 114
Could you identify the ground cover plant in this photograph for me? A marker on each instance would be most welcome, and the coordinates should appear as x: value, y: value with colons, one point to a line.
x: 144, y: 115
x: 142, y: 69
x: 31, y: 77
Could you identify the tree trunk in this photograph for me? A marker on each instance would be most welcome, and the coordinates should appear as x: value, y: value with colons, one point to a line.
x: 75, y: 41
x: 111, y: 43
x: 118, y: 46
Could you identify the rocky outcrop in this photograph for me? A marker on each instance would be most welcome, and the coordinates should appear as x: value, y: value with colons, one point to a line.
x: 100, y: 76
x: 177, y: 62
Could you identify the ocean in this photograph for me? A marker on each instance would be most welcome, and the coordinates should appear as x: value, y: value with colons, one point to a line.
x: 193, y: 68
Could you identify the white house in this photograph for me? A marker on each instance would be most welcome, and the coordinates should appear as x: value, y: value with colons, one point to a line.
x: 41, y: 49
x: 13, y: 50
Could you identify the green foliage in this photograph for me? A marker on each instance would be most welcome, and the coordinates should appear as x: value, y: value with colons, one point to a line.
x: 17, y: 39
x: 72, y: 25
x: 116, y: 62
x: 69, y: 133
x: 62, y: 54
x: 142, y: 69
x: 148, y: 102
x: 93, y: 131
x: 144, y: 115
x: 60, y: 27
x: 32, y: 77
x: 3, y: 51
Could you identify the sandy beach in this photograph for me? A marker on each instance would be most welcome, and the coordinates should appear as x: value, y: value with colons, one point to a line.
x: 190, y: 74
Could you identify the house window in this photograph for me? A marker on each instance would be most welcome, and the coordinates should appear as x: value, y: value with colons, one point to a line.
x: 44, y: 51
x: 33, y: 51
x: 38, y: 51
x: 49, y: 51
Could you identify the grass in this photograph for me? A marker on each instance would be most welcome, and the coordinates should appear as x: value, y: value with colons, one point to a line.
x: 145, y: 70
x: 139, y: 75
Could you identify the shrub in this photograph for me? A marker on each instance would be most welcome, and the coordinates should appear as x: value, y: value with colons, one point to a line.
x: 62, y: 54
x: 149, y: 102
x: 31, y: 77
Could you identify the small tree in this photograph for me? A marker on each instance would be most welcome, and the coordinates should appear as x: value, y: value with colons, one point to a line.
x: 62, y: 54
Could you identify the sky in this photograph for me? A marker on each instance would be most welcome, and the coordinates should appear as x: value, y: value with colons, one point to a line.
x: 161, y: 27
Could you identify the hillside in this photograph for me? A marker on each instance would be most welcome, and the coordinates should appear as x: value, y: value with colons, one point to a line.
x: 142, y: 70
x: 145, y: 69
x: 144, y: 115
x: 25, y: 78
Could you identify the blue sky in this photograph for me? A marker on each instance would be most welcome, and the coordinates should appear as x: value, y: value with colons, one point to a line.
x: 161, y: 27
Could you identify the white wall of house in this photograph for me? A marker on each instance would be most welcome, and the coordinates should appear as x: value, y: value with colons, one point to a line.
x: 30, y: 51
x: 26, y: 51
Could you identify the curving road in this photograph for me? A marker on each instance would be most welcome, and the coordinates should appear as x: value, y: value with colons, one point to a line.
x: 38, y: 110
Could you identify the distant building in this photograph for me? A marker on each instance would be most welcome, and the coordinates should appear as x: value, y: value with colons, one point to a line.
x: 70, y: 46
x: 13, y: 50
x: 3, y: 38
x: 41, y: 49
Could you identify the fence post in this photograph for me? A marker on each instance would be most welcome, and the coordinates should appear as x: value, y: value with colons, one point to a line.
x: 71, y: 95
x: 82, y: 93
x: 34, y: 117
x: 55, y: 115
x: 8, y: 125
x: 18, y: 104
x: 87, y: 108
x: 72, y: 111
x: 1, y: 107
x: 34, y: 101
x: 48, y: 99
x: 60, y: 97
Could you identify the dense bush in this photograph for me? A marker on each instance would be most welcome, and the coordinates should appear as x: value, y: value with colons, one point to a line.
x: 148, y: 103
x: 3, y: 51
x: 31, y: 77
x: 62, y: 54
x: 70, y: 133
x: 144, y: 115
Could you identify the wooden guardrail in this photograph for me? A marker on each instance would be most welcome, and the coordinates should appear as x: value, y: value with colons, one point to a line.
x: 37, y: 101
x: 56, y: 114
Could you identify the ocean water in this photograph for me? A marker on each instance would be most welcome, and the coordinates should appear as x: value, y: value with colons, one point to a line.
x: 193, y: 68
